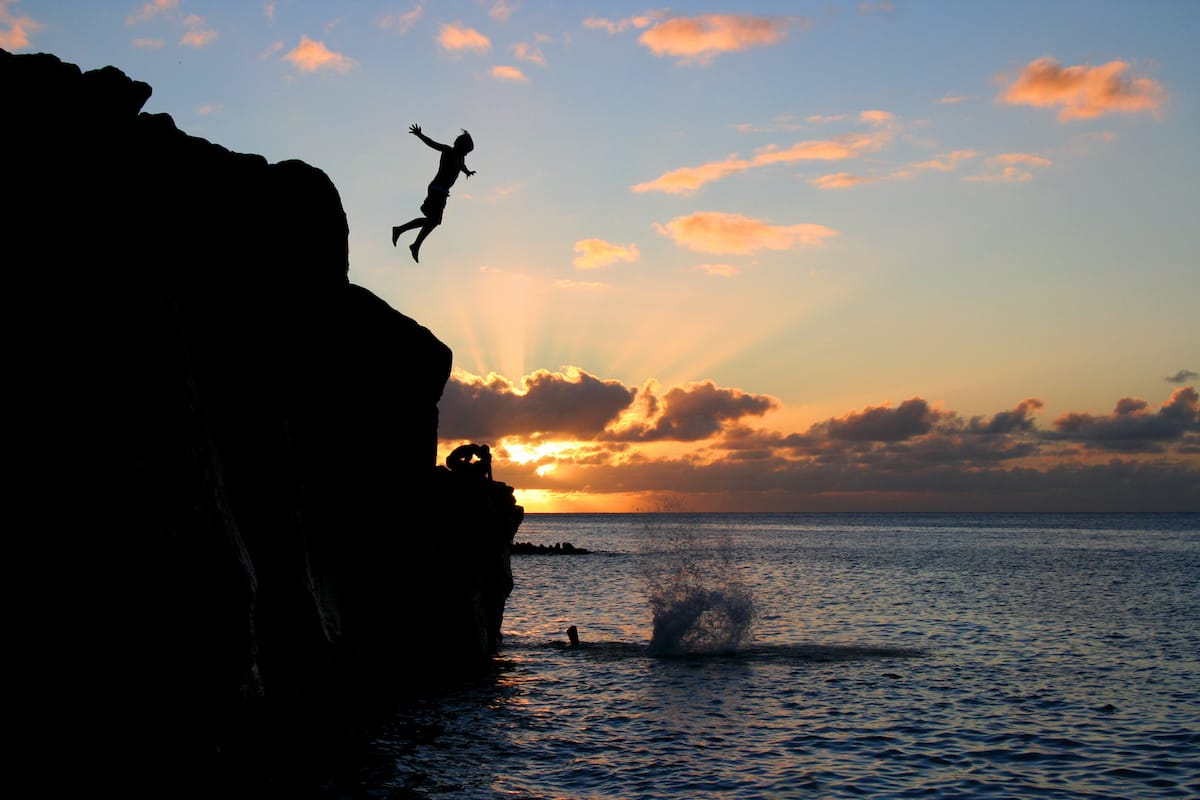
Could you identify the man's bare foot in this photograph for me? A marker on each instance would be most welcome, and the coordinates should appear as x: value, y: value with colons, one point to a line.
x: 395, y: 235
x: 412, y: 248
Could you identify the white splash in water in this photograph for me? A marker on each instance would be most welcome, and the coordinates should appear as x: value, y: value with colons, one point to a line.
x: 699, y: 604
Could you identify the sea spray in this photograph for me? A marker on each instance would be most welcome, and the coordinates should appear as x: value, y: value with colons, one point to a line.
x: 698, y: 601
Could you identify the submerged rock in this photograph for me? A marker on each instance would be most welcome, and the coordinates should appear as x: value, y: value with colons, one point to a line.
x: 556, y: 549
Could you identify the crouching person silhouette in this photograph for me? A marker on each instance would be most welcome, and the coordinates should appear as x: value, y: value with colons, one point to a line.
x: 449, y: 166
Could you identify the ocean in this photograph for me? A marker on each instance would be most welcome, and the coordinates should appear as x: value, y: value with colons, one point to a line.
x: 825, y: 656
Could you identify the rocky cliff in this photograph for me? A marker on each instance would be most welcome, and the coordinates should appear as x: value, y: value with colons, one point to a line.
x: 228, y: 448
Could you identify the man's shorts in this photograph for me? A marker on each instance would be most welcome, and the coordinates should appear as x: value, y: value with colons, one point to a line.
x: 435, y: 204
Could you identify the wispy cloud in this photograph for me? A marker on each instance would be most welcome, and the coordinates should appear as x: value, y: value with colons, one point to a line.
x: 311, y: 56
x: 621, y: 25
x: 1006, y: 175
x: 151, y: 10
x: 722, y: 233
x: 1183, y: 376
x: 686, y: 180
x: 1011, y: 168
x: 16, y: 30
x: 529, y: 52
x: 402, y: 22
x: 198, y: 37
x: 824, y: 119
x: 455, y: 37
x: 209, y: 108
x: 1029, y: 159
x: 500, y: 10
x: 945, y: 162
x: 876, y: 117
x: 1084, y: 92
x: 149, y: 44
x: 595, y: 253
x: 271, y: 50
x: 269, y: 10
x: 784, y: 122
x: 951, y: 99
x: 841, y: 180
x: 698, y: 40
x: 507, y: 73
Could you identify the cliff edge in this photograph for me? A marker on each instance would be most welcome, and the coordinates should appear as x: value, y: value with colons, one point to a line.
x: 229, y: 449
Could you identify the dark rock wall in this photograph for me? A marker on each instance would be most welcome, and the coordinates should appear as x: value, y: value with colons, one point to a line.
x: 230, y: 447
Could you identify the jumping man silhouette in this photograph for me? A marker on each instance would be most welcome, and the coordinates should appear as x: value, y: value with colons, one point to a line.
x: 449, y: 166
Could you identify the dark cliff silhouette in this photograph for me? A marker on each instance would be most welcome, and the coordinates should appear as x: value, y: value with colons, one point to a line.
x: 227, y: 451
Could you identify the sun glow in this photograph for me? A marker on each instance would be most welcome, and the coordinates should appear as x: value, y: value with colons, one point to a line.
x: 531, y: 452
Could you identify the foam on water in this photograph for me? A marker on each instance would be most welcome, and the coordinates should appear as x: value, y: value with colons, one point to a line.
x: 698, y: 601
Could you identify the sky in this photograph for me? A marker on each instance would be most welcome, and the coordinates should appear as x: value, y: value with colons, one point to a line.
x: 752, y: 256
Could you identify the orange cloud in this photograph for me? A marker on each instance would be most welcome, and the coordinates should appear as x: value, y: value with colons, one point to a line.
x: 453, y: 36
x: 150, y: 10
x: 594, y: 253
x: 851, y: 145
x: 698, y: 40
x: 876, y: 117
x: 506, y: 73
x: 717, y: 232
x: 822, y: 119
x: 310, y: 56
x: 1084, y: 92
x: 840, y: 180
x: 946, y: 162
x: 1020, y: 158
x: 952, y: 99
x: 150, y: 44
x: 529, y: 52
x: 19, y: 28
x: 1013, y: 168
x: 686, y: 180
x: 198, y: 38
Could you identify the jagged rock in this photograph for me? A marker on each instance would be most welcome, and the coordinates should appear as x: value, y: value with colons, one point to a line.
x: 556, y: 549
x: 230, y: 448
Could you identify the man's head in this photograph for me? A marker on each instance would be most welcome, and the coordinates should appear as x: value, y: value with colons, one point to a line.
x: 464, y: 143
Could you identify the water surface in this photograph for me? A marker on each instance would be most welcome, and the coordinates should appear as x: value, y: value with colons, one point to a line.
x: 892, y: 656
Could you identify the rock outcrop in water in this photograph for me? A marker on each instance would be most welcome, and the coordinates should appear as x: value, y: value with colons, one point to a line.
x: 240, y: 531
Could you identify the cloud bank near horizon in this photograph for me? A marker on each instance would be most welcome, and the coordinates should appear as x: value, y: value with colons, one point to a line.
x: 572, y: 434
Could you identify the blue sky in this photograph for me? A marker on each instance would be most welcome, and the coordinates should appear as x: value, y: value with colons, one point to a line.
x: 709, y: 246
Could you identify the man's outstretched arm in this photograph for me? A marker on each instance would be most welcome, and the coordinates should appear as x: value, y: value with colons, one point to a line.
x: 415, y: 130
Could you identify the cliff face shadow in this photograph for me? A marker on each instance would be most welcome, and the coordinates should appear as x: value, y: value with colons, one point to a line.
x: 233, y: 455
